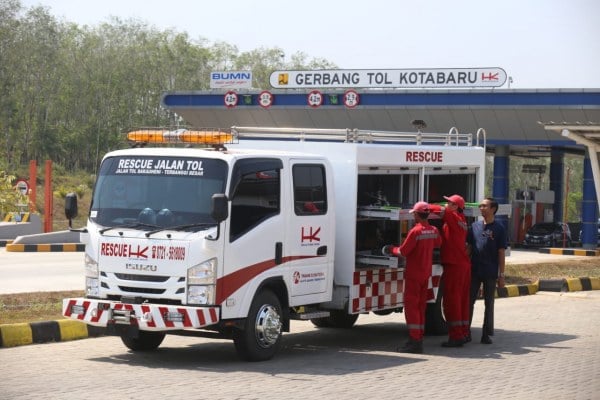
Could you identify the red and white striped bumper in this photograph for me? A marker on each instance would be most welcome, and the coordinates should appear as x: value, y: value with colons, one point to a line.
x: 148, y: 317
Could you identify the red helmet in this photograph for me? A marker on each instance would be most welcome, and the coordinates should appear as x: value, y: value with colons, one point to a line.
x: 420, y: 207
x: 456, y: 199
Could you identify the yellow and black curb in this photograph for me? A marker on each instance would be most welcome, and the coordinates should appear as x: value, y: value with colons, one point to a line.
x: 517, y: 290
x: 5, y: 242
x: 47, y: 247
x: 570, y: 252
x: 46, y: 331
x: 569, y: 284
x: 550, y: 285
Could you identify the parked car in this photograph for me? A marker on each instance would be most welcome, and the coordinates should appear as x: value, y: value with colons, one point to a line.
x: 548, y: 234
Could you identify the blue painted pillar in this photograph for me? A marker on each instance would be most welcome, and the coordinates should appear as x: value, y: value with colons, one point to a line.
x: 500, y: 186
x: 589, y: 207
x: 557, y: 164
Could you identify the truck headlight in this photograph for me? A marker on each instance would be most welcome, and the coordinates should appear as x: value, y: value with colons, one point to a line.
x: 201, y: 282
x: 92, y: 283
x: 202, y: 274
x: 197, y: 294
x: 91, y: 266
x: 92, y: 287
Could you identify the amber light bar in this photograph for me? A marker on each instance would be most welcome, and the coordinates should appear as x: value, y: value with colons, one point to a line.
x: 209, y: 137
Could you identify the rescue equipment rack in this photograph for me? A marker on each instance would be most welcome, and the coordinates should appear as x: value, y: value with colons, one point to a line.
x: 452, y: 138
x: 216, y: 136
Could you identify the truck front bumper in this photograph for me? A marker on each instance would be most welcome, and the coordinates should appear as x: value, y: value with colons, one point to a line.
x: 147, y: 317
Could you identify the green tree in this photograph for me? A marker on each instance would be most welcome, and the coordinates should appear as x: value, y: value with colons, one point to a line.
x: 69, y: 91
x: 10, y: 198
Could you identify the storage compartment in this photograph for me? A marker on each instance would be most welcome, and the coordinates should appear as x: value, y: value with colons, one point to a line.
x: 379, y: 203
x: 385, y: 198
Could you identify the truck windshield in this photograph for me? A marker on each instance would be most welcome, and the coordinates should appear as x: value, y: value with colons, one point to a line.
x: 148, y: 192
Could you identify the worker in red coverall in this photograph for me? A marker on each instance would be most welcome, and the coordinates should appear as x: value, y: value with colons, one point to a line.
x: 457, y: 269
x: 417, y: 248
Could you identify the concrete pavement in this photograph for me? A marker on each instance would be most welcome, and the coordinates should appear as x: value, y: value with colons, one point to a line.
x: 545, y: 346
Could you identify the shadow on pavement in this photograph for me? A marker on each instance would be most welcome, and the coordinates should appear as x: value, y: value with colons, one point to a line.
x: 326, y: 351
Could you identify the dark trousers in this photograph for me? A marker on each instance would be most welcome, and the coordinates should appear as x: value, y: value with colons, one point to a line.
x: 489, y: 293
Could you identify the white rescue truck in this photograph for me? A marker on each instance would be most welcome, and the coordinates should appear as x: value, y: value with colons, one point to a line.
x: 260, y: 226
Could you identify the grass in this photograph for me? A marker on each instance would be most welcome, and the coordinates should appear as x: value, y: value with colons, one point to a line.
x: 45, y: 306
x: 520, y: 274
x: 33, y: 307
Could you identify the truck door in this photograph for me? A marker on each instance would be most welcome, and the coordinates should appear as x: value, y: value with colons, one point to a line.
x: 310, y: 232
x: 253, y: 245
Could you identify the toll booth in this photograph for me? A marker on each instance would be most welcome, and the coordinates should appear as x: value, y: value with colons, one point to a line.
x: 530, y: 207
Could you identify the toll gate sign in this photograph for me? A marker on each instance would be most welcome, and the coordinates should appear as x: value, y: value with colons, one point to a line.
x: 265, y: 99
x: 351, y: 98
x: 230, y: 99
x: 22, y: 186
x: 315, y: 99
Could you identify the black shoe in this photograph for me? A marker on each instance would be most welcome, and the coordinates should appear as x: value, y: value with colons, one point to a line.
x: 467, y: 338
x: 453, y: 343
x: 485, y: 339
x: 412, y: 346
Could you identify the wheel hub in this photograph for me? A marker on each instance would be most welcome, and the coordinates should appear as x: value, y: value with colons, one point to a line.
x: 268, y: 326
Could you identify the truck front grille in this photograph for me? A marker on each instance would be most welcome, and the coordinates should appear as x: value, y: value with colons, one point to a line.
x: 130, y: 289
x: 144, y: 278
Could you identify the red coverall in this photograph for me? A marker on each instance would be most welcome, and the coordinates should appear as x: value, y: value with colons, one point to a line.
x: 457, y: 272
x: 418, y: 250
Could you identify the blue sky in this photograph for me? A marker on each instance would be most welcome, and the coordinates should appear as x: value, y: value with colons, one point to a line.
x: 539, y: 43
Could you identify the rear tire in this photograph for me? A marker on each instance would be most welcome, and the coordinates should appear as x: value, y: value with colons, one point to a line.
x: 260, y: 338
x: 341, y: 319
x: 435, y: 323
x: 321, y: 322
x: 146, y: 340
x: 337, y: 319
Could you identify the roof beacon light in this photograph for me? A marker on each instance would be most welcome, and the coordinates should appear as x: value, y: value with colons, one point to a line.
x: 147, y: 136
x: 208, y: 137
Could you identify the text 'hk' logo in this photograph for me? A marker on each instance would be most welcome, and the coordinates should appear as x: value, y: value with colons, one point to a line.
x: 310, y: 234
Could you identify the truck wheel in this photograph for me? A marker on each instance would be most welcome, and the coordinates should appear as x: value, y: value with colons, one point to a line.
x: 435, y: 323
x: 261, y: 337
x: 321, y: 322
x: 340, y: 319
x: 336, y: 319
x: 145, y: 341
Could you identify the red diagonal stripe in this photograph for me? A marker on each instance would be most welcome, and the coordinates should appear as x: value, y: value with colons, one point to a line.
x: 228, y: 284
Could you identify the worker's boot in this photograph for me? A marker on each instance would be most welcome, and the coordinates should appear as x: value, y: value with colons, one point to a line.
x: 412, y: 346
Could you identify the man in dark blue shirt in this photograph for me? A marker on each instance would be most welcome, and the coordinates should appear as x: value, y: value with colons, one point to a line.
x: 487, y: 242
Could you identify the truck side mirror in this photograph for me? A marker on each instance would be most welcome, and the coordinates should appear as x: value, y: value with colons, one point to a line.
x: 219, y: 211
x: 71, y: 206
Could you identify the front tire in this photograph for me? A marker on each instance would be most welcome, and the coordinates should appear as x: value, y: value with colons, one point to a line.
x: 146, y: 340
x: 261, y: 337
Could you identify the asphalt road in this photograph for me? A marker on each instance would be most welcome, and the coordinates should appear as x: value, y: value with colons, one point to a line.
x: 40, y: 271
